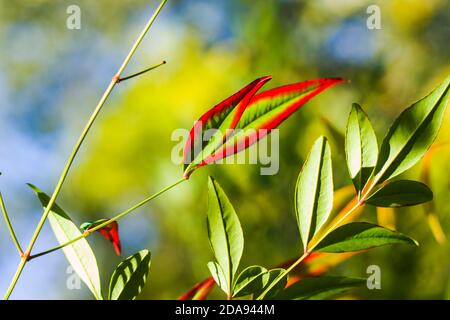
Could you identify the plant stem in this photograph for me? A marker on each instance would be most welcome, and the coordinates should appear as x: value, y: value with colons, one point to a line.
x: 75, y: 150
x: 9, y: 225
x: 88, y: 232
x: 311, y: 248
x: 141, y: 72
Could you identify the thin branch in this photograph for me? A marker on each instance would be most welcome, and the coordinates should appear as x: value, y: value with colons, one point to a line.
x: 88, y: 232
x: 9, y: 225
x: 112, y: 84
x: 142, y: 72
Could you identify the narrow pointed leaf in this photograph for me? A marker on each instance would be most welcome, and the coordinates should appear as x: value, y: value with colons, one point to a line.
x: 110, y: 232
x: 219, y: 277
x: 357, y: 236
x: 314, y: 191
x: 401, y: 193
x: 249, y: 281
x: 200, y: 291
x: 222, y: 117
x: 204, y: 290
x: 130, y: 276
x: 224, y: 232
x: 79, y: 254
x: 319, y: 288
x: 361, y: 147
x: 412, y: 134
x: 266, y: 111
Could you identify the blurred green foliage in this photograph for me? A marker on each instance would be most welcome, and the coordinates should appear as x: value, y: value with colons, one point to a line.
x: 128, y: 155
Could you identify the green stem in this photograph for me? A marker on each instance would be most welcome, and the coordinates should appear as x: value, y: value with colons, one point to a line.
x: 75, y: 150
x: 310, y: 249
x: 9, y: 225
x: 117, y: 217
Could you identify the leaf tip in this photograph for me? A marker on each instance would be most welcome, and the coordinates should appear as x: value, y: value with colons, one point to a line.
x: 322, y: 140
x: 33, y: 187
x: 335, y: 80
x: 211, y: 180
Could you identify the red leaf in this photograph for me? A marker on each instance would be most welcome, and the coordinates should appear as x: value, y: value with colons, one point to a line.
x: 215, y: 117
x: 266, y: 111
x: 309, y: 88
x: 200, y: 291
x: 111, y: 232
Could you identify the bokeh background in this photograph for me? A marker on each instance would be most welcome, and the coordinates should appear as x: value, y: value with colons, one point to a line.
x: 52, y: 77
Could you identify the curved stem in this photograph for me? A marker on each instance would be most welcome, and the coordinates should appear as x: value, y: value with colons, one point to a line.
x: 9, y: 225
x: 77, y: 147
x: 88, y: 232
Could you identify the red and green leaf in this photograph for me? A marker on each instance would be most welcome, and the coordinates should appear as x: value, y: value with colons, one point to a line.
x: 253, y: 119
x: 267, y: 110
x: 200, y: 291
x: 110, y: 232
x: 222, y: 117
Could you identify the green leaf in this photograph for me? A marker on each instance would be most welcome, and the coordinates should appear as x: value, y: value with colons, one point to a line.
x: 219, y: 277
x: 400, y: 194
x: 130, y: 276
x: 412, y: 134
x: 79, y: 254
x: 222, y: 117
x: 360, y: 147
x: 319, y: 288
x: 314, y: 191
x: 357, y: 236
x: 224, y: 232
x: 270, y: 277
x: 249, y: 281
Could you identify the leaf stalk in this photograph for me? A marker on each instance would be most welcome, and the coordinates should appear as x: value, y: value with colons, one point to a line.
x: 88, y: 232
